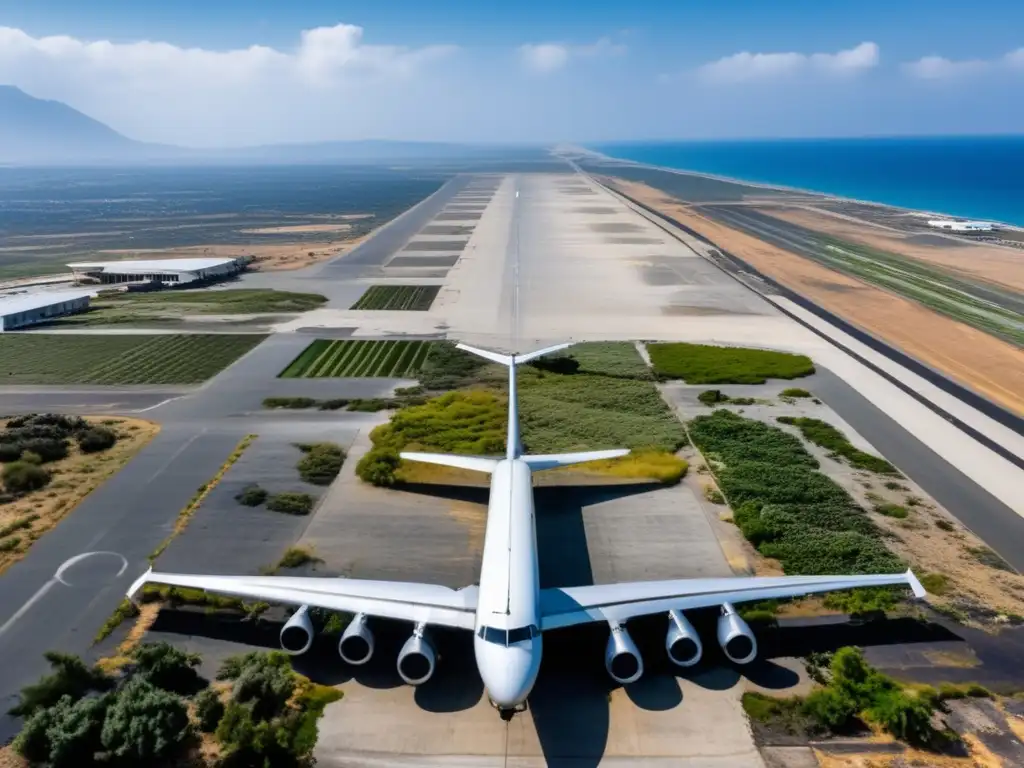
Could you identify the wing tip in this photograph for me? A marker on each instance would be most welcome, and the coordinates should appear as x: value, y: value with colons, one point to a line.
x: 138, y: 584
x: 915, y: 585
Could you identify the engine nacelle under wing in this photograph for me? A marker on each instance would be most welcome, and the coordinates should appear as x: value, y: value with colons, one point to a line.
x: 297, y: 633
x: 417, y: 658
x: 356, y: 643
x: 621, y: 657
x: 682, y: 643
x: 736, y: 637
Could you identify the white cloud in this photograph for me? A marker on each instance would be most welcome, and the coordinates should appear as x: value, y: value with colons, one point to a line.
x: 542, y: 58
x: 747, y: 67
x: 943, y: 69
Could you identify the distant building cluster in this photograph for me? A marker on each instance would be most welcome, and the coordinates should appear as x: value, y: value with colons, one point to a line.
x: 164, y: 271
x: 961, y: 226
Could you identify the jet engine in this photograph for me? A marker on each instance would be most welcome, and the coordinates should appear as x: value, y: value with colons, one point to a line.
x: 621, y: 657
x: 356, y: 643
x: 416, y: 659
x: 735, y: 636
x: 297, y: 633
x: 682, y: 643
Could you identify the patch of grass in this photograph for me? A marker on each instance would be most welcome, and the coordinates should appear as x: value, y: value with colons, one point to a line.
x: 291, y: 503
x: 415, y: 298
x: 892, y: 485
x: 891, y: 510
x: 713, y: 495
x: 356, y: 359
x: 706, y: 364
x: 794, y: 392
x: 713, y: 397
x: 986, y: 556
x: 251, y: 496
x: 336, y: 404
x: 643, y: 465
x: 118, y: 359
x: 288, y: 402
x: 294, y: 557
x: 936, y: 583
x: 783, y: 506
x: 124, y: 611
x: 448, y: 367
x: 945, y: 525
x: 619, y: 359
x: 21, y: 524
x: 321, y: 463
x: 828, y: 437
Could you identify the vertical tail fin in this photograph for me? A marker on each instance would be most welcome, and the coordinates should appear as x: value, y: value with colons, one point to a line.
x: 513, y: 446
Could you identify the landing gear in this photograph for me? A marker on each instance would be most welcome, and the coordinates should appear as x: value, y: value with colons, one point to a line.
x: 507, y: 713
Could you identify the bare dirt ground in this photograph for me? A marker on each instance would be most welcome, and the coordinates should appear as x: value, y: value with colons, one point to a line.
x: 297, y: 229
x: 74, y: 478
x: 994, y: 263
x: 267, y: 257
x: 990, y: 366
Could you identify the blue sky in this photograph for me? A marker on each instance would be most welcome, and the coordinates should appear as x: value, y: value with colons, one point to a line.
x: 221, y: 72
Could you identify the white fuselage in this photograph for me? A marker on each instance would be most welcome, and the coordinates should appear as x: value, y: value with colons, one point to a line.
x: 507, y: 641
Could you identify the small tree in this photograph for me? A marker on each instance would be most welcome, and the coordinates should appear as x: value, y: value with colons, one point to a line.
x: 22, y: 477
x: 96, y: 439
x: 145, y: 723
x: 166, y: 667
x: 70, y: 677
x: 209, y: 710
x: 48, y: 449
x: 251, y: 496
x: 66, y: 734
x: 267, y: 684
x: 378, y: 466
x: 10, y: 452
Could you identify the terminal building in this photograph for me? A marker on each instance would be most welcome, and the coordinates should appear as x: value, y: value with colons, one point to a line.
x: 961, y: 226
x: 25, y: 309
x: 165, y: 271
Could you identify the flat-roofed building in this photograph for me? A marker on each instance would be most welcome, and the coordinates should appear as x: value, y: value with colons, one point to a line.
x: 961, y: 226
x: 25, y: 309
x: 166, y: 271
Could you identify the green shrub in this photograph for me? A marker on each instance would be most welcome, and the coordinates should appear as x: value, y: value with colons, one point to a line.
x: 833, y: 708
x: 905, y: 716
x: 562, y: 364
x: 371, y: 405
x: 321, y: 464
x: 166, y: 667
x: 712, y: 396
x: 713, y: 495
x: 96, y: 439
x: 705, y: 364
x: 10, y: 452
x: 70, y: 676
x: 289, y: 402
x: 333, y: 404
x: 145, y: 724
x: 935, y: 583
x: 46, y: 449
x: 891, y: 510
x: 448, y: 367
x: 824, y: 434
x: 945, y: 525
x: 377, y: 467
x: 22, y: 477
x: 986, y: 556
x: 266, y: 681
x: 251, y: 496
x: 11, y: 544
x: 65, y: 734
x: 410, y: 391
x: 209, y: 710
x: 794, y: 392
x: 31, y: 458
x: 892, y: 485
x: 295, y: 557
x: 291, y: 503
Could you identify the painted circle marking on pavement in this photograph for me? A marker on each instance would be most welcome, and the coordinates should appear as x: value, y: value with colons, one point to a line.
x: 59, y: 575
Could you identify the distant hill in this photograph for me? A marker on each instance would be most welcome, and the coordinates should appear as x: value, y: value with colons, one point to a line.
x: 34, y: 129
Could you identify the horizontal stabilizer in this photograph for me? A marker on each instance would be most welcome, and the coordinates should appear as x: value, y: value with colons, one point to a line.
x: 552, y: 460
x: 475, y: 463
x: 509, y: 360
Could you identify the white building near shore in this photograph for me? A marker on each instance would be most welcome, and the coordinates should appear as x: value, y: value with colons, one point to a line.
x: 22, y: 310
x: 961, y: 226
x: 166, y: 271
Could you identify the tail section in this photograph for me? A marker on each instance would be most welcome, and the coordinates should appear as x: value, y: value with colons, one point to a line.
x: 514, y: 448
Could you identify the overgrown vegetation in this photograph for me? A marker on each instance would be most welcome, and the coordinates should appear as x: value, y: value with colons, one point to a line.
x: 251, y: 496
x: 291, y: 503
x: 794, y: 392
x: 321, y: 463
x: 828, y: 437
x: 297, y: 403
x: 415, y: 298
x: 706, y: 364
x: 789, y: 510
x: 76, y: 716
x: 716, y: 396
x: 333, y: 359
x: 854, y: 694
x: 119, y: 359
x: 295, y: 557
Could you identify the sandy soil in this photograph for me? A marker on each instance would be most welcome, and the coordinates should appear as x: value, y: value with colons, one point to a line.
x: 74, y: 478
x: 267, y: 257
x: 997, y: 264
x: 992, y: 367
x: 297, y: 229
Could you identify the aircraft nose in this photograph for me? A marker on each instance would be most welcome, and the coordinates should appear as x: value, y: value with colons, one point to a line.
x: 509, y: 674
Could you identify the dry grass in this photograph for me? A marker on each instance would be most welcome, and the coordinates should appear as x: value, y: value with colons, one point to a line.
x: 11, y: 759
x: 148, y: 614
x: 74, y: 478
x: 993, y: 367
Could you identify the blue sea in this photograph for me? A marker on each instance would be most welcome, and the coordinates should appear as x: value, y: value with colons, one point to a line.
x: 978, y: 177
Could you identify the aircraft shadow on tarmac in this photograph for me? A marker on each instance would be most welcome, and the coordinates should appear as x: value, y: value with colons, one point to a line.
x: 570, y: 703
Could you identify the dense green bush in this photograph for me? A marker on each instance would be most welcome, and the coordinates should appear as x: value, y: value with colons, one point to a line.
x: 65, y: 734
x: 334, y: 404
x: 96, y: 439
x: 251, y: 496
x: 22, y: 477
x: 209, y: 709
x: 70, y: 676
x: 377, y: 467
x: 291, y: 503
x: 288, y: 402
x: 47, y: 449
x: 705, y: 364
x: 448, y: 367
x: 321, y: 464
x: 619, y: 359
x: 891, y: 510
x: 563, y: 364
x: 166, y: 667
x: 712, y: 396
x: 10, y: 452
x: 824, y: 434
x: 794, y: 392
x: 295, y: 557
x: 372, y: 404
x: 265, y: 682
x: 145, y: 724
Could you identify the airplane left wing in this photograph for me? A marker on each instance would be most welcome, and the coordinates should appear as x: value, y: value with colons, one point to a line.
x: 569, y: 606
x: 409, y: 601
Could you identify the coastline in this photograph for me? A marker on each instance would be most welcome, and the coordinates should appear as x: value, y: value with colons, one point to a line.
x: 783, y: 188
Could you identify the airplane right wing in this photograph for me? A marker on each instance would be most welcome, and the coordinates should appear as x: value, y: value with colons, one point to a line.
x: 568, y: 606
x: 418, y: 603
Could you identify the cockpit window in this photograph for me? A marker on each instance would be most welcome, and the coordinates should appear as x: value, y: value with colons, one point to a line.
x: 508, y: 637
